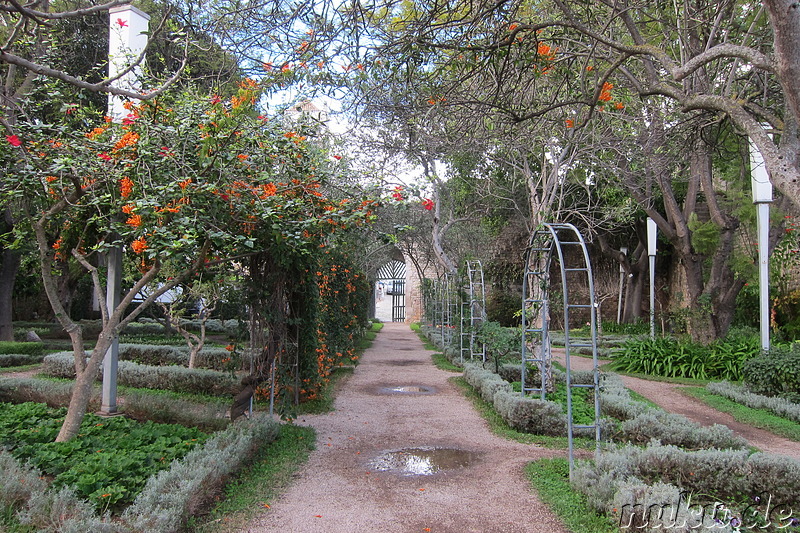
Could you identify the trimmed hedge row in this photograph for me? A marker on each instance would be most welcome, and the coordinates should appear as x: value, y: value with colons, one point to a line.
x: 19, y: 359
x: 165, y: 504
x: 159, y: 355
x: 139, y: 405
x: 624, y: 419
x: 175, y: 378
x: 27, y: 348
x: 651, y: 488
x: 779, y: 406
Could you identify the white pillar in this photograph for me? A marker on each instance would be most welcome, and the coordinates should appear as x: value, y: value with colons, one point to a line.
x: 127, y: 29
x: 652, y: 240
x: 762, y: 197
x: 624, y: 251
x: 127, y: 40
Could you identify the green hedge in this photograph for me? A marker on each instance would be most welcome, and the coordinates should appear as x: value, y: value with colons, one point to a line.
x: 623, y: 418
x: 19, y: 359
x: 776, y: 373
x: 634, y: 484
x: 25, y: 348
x: 175, y: 378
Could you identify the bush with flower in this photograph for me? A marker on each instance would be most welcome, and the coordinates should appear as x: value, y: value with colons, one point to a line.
x: 183, y: 180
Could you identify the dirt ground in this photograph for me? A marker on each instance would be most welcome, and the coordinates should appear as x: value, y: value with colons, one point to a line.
x: 342, y: 488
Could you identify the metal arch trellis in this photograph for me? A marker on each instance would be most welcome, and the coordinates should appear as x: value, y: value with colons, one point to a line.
x: 447, y: 302
x: 536, y: 315
x: 473, y: 313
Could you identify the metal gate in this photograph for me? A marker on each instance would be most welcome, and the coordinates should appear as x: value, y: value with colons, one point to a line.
x: 391, y: 279
x: 562, y: 242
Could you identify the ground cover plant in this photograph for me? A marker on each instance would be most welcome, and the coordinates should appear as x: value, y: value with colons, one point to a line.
x: 670, y: 357
x: 110, y: 462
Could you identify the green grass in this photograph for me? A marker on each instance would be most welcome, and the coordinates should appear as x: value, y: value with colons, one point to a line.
x: 428, y: 345
x: 758, y: 418
x: 550, y: 478
x: 499, y: 427
x: 253, y: 491
x: 443, y: 363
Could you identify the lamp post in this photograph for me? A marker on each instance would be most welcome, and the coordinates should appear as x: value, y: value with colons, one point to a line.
x: 624, y: 251
x: 762, y: 197
x: 652, y: 239
x: 127, y: 31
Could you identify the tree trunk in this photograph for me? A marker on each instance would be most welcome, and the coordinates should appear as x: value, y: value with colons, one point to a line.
x: 784, y: 17
x: 8, y: 274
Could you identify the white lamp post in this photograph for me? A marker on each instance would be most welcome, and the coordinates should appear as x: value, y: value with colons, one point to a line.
x: 624, y: 251
x: 127, y: 39
x: 762, y: 197
x: 652, y: 239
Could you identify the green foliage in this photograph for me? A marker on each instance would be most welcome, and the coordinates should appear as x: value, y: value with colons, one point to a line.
x: 640, y: 327
x: 110, y: 460
x: 173, y: 496
x: 669, y: 357
x: 705, y: 235
x: 503, y: 307
x: 500, y: 427
x: 25, y: 348
x: 9, y: 360
x: 500, y: 341
x: 550, y: 478
x: 776, y: 373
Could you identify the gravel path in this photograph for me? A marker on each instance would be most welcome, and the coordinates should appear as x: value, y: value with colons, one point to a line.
x: 343, y: 489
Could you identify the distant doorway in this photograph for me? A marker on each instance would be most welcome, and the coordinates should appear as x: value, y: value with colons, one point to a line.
x: 390, y: 292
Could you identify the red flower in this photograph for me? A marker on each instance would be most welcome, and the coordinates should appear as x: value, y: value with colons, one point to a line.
x: 337, y: 157
x: 428, y: 204
x: 122, y: 23
x: 104, y: 156
x: 13, y: 140
x: 215, y: 99
x: 139, y: 245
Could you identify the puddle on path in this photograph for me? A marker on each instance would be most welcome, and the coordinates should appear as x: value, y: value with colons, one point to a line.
x: 407, y: 389
x: 423, y: 461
